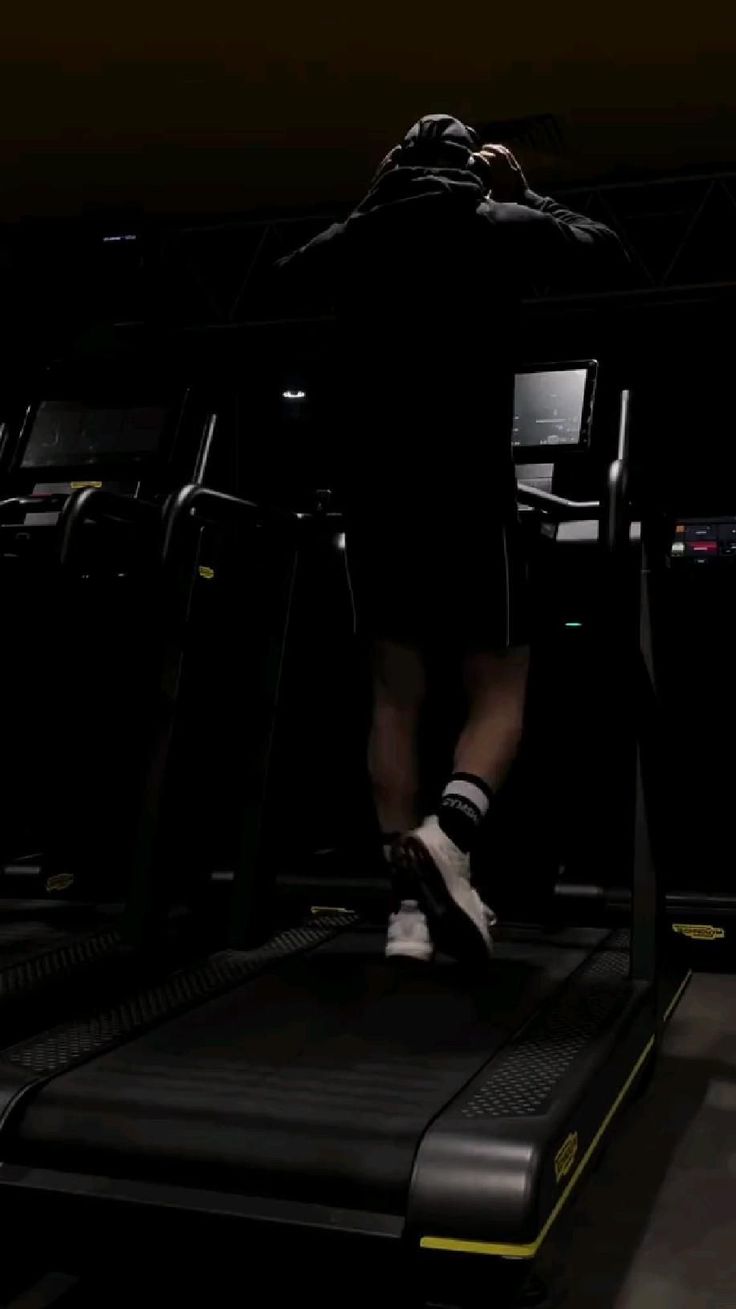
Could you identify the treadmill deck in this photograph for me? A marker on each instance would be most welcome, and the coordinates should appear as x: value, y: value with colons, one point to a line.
x: 315, y: 1081
x: 311, y: 1086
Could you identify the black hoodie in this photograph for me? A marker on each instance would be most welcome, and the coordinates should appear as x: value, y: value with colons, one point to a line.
x: 426, y: 276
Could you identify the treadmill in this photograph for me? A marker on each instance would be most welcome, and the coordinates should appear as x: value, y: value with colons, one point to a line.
x: 693, y: 563
x: 68, y: 568
x: 691, y: 560
x: 302, y: 1094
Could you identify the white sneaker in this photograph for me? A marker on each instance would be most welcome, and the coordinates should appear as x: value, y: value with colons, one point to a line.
x: 458, y: 919
x: 408, y: 933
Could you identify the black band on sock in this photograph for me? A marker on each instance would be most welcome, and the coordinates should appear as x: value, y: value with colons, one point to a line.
x: 480, y: 782
x: 463, y: 807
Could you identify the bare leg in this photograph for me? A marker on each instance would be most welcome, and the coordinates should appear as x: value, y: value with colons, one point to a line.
x: 436, y: 855
x: 496, y: 689
x: 399, y: 684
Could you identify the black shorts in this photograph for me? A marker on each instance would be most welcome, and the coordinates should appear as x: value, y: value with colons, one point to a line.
x: 454, y: 584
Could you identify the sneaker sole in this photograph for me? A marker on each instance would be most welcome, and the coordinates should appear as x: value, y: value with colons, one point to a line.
x: 423, y: 953
x: 452, y: 929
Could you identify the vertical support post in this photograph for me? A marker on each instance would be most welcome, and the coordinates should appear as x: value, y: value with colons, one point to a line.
x: 629, y: 640
x: 646, y: 889
x: 148, y: 891
x: 254, y: 877
x: 645, y: 906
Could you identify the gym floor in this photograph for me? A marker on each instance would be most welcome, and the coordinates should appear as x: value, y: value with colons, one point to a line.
x: 656, y: 1228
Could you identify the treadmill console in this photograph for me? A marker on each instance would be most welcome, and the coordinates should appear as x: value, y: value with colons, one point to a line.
x: 553, y: 412
x: 700, y: 542
x: 67, y: 434
x: 553, y: 409
x: 105, y: 439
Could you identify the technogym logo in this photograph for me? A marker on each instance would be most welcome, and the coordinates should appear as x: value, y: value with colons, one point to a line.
x: 566, y: 1156
x: 462, y: 805
x: 699, y: 931
x: 60, y: 882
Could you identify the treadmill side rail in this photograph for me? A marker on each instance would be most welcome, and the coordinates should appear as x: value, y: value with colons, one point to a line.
x: 495, y: 1170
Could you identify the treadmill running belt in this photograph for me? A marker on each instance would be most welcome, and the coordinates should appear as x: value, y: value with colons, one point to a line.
x: 42, y: 946
x: 314, y: 1081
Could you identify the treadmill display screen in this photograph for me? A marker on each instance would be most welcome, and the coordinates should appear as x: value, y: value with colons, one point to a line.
x: 550, y: 407
x: 68, y: 434
x: 704, y: 541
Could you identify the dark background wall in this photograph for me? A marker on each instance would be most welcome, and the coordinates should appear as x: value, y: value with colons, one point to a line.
x: 187, y: 129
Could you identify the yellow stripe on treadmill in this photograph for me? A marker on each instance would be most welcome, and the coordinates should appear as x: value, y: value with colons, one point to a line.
x: 530, y: 1251
x: 677, y: 997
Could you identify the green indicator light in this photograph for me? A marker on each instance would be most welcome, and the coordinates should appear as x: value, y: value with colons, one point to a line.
x: 573, y: 624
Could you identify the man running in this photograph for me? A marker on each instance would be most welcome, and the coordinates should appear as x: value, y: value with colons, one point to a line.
x: 427, y: 275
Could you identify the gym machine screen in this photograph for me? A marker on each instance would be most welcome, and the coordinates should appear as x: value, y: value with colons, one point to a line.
x: 69, y: 434
x: 704, y: 541
x: 552, y: 406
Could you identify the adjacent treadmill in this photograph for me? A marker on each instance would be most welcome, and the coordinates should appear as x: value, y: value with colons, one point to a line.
x: 83, y: 634
x: 693, y: 572
x: 302, y: 1093
x: 691, y: 561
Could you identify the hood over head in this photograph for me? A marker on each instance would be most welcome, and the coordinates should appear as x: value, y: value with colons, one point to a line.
x: 434, y: 160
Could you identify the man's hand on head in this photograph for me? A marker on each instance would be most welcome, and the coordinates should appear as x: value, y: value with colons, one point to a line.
x: 508, y: 183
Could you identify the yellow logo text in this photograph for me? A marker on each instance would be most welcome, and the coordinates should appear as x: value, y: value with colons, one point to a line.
x: 566, y: 1156
x: 699, y: 931
x: 60, y: 882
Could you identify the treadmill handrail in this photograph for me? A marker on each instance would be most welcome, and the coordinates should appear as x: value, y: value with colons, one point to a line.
x: 31, y: 504
x: 615, y: 521
x: 90, y: 505
x: 183, y: 507
x: 557, y: 506
x: 215, y: 507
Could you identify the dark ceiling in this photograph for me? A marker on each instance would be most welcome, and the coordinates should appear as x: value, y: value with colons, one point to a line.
x: 220, y: 107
